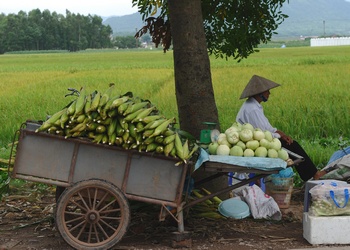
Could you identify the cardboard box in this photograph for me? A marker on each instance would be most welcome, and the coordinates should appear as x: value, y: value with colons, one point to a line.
x: 326, y: 229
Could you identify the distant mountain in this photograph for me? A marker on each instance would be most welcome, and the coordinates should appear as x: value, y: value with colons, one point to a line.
x: 306, y: 18
x: 125, y: 25
x: 315, y: 18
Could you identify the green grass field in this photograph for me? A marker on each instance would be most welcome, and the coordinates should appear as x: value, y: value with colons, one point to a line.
x: 312, y: 105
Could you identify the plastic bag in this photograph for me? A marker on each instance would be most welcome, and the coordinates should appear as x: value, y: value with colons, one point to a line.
x: 329, y: 199
x: 262, y: 206
x: 339, y: 169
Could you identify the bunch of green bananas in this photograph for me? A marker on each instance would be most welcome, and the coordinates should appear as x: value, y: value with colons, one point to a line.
x: 121, y: 120
x: 208, y: 208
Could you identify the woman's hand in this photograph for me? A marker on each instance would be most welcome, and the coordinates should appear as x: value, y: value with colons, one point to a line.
x: 285, y: 137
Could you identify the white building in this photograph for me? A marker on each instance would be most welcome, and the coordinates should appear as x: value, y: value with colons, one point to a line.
x: 330, y: 41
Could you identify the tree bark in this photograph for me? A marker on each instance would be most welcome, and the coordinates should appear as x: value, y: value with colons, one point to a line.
x: 193, y: 83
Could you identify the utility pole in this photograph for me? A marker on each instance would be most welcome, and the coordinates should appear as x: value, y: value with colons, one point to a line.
x: 324, y: 28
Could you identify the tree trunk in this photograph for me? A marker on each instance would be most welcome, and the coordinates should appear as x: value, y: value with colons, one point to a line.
x: 193, y: 84
x: 194, y: 90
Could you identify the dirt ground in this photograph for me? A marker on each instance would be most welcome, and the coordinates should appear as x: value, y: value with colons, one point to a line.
x: 27, y: 223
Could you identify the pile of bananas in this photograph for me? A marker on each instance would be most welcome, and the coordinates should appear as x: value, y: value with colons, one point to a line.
x: 122, y: 120
x: 208, y: 208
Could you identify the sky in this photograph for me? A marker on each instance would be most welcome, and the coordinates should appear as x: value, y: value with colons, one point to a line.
x: 84, y: 7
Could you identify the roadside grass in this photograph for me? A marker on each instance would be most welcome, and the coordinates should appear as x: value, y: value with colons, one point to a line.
x: 311, y: 105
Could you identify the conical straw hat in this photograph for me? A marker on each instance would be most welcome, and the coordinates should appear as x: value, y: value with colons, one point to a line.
x: 257, y: 85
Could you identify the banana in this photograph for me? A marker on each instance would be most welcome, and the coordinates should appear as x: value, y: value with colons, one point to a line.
x: 185, y: 150
x: 71, y: 108
x: 169, y: 139
x: 119, y: 129
x: 143, y: 114
x: 119, y: 101
x: 209, y: 215
x: 107, y: 106
x: 57, y: 123
x: 168, y: 132
x: 112, y: 113
x: 87, y: 104
x: 101, y: 129
x: 160, y: 149
x: 148, y: 140
x: 80, y: 127
x: 118, y: 141
x: 106, y: 121
x: 151, y: 118
x: 103, y: 113
x: 91, y: 126
x: 49, y: 122
x: 134, y: 107
x: 142, y: 147
x: 133, y: 146
x: 98, y: 138
x: 139, y: 126
x: 112, y: 127
x: 80, y: 103
x: 81, y: 118
x: 123, y: 123
x: 52, y: 130
x: 105, y: 97
x: 130, y: 140
x: 194, y: 149
x: 131, y: 116
x: 151, y: 147
x: 60, y: 132
x: 105, y: 139
x: 125, y: 136
x: 91, y: 135
x: 168, y: 147
x: 154, y: 124
x: 162, y: 127
x: 158, y: 139
x: 199, y: 195
x: 94, y: 115
x: 173, y: 152
x: 147, y: 133
x: 63, y: 119
x: 178, y: 146
x: 134, y: 134
x: 76, y: 134
x: 95, y: 101
x: 56, y: 116
x: 122, y: 107
x: 215, y: 198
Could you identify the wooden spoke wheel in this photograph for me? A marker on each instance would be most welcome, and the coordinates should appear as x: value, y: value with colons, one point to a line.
x: 92, y: 214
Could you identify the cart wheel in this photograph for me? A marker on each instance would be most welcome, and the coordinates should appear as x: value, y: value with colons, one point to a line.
x: 92, y: 214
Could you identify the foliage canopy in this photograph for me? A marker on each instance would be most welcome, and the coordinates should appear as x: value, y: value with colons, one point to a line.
x: 233, y: 28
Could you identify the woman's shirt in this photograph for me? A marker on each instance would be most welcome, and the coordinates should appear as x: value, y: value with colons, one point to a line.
x: 252, y: 112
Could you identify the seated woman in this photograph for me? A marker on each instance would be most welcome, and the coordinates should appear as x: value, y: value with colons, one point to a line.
x: 257, y: 91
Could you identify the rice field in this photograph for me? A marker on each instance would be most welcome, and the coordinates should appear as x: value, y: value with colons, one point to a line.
x: 312, y: 105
